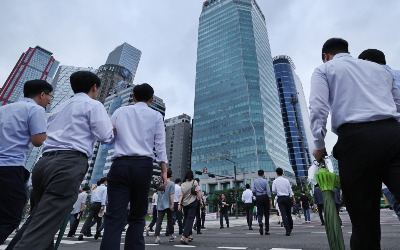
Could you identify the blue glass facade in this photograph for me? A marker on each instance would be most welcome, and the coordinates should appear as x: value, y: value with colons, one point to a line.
x: 236, y: 111
x: 295, y: 130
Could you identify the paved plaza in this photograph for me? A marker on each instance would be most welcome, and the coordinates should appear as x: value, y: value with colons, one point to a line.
x: 237, y: 236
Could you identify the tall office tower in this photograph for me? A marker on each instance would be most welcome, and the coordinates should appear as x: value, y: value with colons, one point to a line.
x: 121, y: 95
x: 112, y: 76
x: 294, y: 114
x: 62, y: 91
x: 236, y: 111
x: 127, y: 56
x: 178, y: 143
x: 35, y: 63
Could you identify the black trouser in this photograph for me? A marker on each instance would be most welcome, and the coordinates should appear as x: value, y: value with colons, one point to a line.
x: 154, y: 220
x: 160, y: 218
x: 188, y: 213
x: 12, y: 199
x: 263, y: 208
x: 249, y: 213
x: 197, y: 224
x: 74, y: 226
x: 128, y: 181
x: 321, y: 212
x: 221, y: 215
x: 368, y: 154
x: 178, y: 216
x: 285, y: 204
x: 93, y: 215
x: 55, y: 179
x: 203, y: 216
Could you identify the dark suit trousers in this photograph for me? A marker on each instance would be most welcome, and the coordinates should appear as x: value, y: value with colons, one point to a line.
x: 368, y: 154
x: 263, y: 210
x: 128, y: 181
x: 12, y: 198
x: 55, y: 181
x: 249, y: 213
x: 284, y: 204
x: 321, y: 212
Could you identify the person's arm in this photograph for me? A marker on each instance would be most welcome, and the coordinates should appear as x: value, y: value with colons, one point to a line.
x: 37, y: 124
x: 319, y: 110
x: 274, y: 191
x: 100, y: 124
x: 396, y: 93
x: 171, y: 197
x: 180, y: 201
x: 38, y: 139
x: 164, y: 174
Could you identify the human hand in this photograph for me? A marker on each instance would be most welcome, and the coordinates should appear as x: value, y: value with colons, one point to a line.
x: 179, y: 207
x: 171, y: 207
x: 319, y: 154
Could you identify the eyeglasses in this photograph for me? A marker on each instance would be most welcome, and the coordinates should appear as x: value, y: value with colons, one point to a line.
x: 51, y: 96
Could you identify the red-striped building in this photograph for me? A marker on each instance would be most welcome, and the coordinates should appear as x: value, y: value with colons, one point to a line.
x: 35, y: 63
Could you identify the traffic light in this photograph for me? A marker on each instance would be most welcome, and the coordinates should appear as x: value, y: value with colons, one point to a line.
x: 198, y: 172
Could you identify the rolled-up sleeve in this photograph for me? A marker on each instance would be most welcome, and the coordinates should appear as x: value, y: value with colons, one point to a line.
x: 319, y: 107
x: 159, y: 140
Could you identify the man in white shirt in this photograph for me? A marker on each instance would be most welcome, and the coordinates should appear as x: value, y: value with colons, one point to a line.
x: 72, y: 129
x: 282, y: 188
x: 177, y: 213
x: 98, y: 201
x: 364, y: 102
x: 77, y: 210
x: 139, y: 129
x: 247, y: 198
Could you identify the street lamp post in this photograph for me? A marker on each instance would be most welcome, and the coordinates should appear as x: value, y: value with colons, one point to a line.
x: 236, y: 192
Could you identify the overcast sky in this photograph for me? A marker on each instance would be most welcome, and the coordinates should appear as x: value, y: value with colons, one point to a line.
x: 82, y: 33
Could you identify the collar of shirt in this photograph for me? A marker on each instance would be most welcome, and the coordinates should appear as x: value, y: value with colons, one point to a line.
x: 82, y: 95
x: 26, y: 99
x: 337, y: 56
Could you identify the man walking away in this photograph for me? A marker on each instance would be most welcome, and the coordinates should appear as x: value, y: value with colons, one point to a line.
x: 263, y: 193
x: 305, y: 205
x: 223, y: 211
x: 98, y: 203
x: 139, y: 129
x: 319, y: 202
x: 72, y: 129
x: 281, y: 187
x: 177, y: 212
x: 21, y: 123
x: 247, y: 198
x: 77, y: 210
x: 364, y: 102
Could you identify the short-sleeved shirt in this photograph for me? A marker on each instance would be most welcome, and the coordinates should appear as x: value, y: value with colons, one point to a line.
x: 155, y: 198
x: 177, y: 193
x: 222, y: 206
x: 187, y: 196
x: 305, y: 201
x: 78, y: 203
x: 18, y: 122
x: 164, y: 197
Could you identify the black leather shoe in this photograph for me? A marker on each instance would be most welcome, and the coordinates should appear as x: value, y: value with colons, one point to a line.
x: 221, y: 227
x: 80, y: 237
x: 250, y: 228
x: 287, y: 233
x: 267, y: 233
x: 199, y: 233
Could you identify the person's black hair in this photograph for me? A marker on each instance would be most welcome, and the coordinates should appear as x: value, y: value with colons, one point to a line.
x: 143, y: 92
x: 335, y: 46
x: 260, y: 172
x: 177, y: 181
x: 86, y: 188
x: 83, y: 81
x: 102, y: 180
x: 279, y: 171
x: 373, y: 55
x: 189, y: 175
x: 316, y: 185
x: 98, y: 183
x: 248, y: 186
x: 197, y: 179
x: 33, y: 88
x: 169, y: 173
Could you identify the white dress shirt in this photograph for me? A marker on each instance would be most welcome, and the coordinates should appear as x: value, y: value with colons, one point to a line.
x: 100, y: 195
x: 354, y: 91
x: 155, y: 198
x: 78, y: 203
x: 139, y: 130
x: 76, y: 124
x: 177, y: 193
x: 247, y: 196
x: 281, y: 187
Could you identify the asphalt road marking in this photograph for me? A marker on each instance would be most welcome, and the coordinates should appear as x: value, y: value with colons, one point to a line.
x: 184, y: 246
x: 318, y: 232
x: 286, y: 249
x: 232, y: 247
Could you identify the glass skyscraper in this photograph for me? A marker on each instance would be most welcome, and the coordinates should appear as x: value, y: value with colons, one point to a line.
x: 236, y: 111
x: 35, y: 63
x: 127, y: 56
x: 294, y: 114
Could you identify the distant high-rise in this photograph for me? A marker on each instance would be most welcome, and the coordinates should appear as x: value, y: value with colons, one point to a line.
x: 236, y: 111
x: 178, y: 142
x: 99, y: 166
x: 127, y: 56
x: 294, y: 113
x: 35, y: 63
